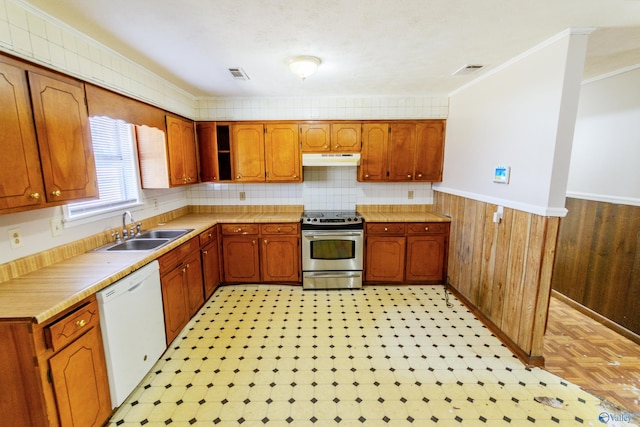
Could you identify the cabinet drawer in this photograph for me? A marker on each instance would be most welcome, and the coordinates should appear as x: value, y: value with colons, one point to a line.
x: 385, y: 228
x: 290, y: 229
x: 172, y: 259
x: 72, y: 326
x: 234, y: 229
x: 427, y: 227
x: 208, y: 236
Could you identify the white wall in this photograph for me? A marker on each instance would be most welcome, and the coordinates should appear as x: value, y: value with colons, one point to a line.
x: 522, y: 116
x: 606, y: 146
x: 334, y: 188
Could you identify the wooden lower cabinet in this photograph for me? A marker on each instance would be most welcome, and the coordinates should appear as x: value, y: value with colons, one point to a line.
x: 385, y: 259
x: 78, y: 373
x: 182, y: 288
x: 425, y: 258
x: 411, y: 252
x: 210, y: 257
x: 279, y: 259
x: 262, y: 253
x: 54, y: 374
x: 241, y: 259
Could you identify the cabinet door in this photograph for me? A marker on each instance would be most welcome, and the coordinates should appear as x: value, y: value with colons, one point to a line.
x: 373, y: 161
x: 189, y: 152
x: 280, y: 259
x: 385, y: 259
x: 20, y: 173
x: 174, y: 300
x: 402, y: 150
x: 248, y: 153
x: 426, y: 258
x: 282, y: 153
x: 316, y: 137
x: 429, y: 151
x: 64, y: 139
x: 210, y: 268
x: 208, y: 147
x: 241, y: 260
x: 346, y: 137
x: 181, y: 151
x: 80, y: 382
x: 193, y: 283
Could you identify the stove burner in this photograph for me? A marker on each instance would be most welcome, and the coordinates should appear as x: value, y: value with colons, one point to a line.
x: 333, y: 219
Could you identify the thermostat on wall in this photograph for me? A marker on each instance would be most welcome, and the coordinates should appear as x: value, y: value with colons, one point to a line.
x: 501, y: 176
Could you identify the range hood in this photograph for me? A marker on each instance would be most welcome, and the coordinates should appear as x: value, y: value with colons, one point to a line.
x: 330, y: 159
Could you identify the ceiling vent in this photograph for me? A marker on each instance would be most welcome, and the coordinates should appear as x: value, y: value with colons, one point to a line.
x: 467, y: 69
x: 238, y: 74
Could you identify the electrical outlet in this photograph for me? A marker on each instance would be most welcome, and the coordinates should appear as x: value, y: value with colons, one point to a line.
x: 155, y: 204
x: 56, y: 227
x: 243, y: 196
x: 410, y: 195
x: 15, y: 237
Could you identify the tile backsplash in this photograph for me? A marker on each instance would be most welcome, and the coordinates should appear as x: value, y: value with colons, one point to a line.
x: 324, y: 187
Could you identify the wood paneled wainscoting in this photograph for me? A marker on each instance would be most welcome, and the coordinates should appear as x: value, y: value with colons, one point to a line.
x: 598, y: 262
x: 503, y: 270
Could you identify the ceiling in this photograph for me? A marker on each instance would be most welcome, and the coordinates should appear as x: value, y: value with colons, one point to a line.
x: 367, y: 47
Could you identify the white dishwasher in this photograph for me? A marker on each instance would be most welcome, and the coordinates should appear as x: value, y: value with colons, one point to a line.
x: 132, y: 323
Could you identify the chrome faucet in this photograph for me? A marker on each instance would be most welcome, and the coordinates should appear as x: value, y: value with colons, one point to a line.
x: 127, y: 233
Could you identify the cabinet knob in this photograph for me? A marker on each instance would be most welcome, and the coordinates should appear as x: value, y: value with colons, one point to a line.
x: 34, y: 196
x: 238, y: 177
x: 337, y: 146
x: 266, y: 241
x: 426, y: 229
x: 386, y: 229
x: 295, y: 176
x: 419, y: 175
x: 56, y: 193
x: 325, y: 146
x: 409, y: 176
x: 81, y: 323
x: 205, y: 252
x: 238, y: 230
x: 366, y: 175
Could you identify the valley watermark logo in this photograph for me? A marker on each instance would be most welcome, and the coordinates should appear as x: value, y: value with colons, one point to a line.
x: 607, y: 417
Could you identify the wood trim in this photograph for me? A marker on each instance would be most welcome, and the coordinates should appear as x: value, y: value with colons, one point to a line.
x: 597, y: 317
x: 103, y: 102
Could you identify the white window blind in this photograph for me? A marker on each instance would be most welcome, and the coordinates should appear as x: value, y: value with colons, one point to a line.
x: 114, y: 152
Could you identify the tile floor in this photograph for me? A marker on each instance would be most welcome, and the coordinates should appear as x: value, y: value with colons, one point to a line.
x: 380, y: 356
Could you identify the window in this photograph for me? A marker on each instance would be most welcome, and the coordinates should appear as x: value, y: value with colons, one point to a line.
x: 114, y: 152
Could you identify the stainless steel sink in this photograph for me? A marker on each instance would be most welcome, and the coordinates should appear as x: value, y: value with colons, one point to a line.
x: 147, y: 241
x: 162, y: 234
x: 138, y: 245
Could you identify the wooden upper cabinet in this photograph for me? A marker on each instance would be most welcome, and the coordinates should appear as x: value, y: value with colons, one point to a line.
x: 64, y: 138
x: 208, y: 146
x: 20, y: 173
x: 375, y: 140
x: 247, y: 151
x: 414, y: 151
x: 429, y: 150
x: 402, y: 151
x: 346, y: 137
x: 282, y: 153
x: 181, y: 143
x: 315, y: 137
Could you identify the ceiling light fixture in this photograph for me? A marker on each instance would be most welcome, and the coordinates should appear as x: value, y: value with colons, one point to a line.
x: 304, y: 66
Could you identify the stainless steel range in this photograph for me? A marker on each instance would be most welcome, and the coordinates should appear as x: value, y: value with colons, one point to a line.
x: 332, y: 249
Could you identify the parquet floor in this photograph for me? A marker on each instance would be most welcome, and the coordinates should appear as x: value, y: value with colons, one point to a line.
x: 588, y: 354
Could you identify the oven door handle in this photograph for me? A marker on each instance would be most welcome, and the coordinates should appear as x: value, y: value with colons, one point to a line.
x: 314, y: 234
x: 333, y: 274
